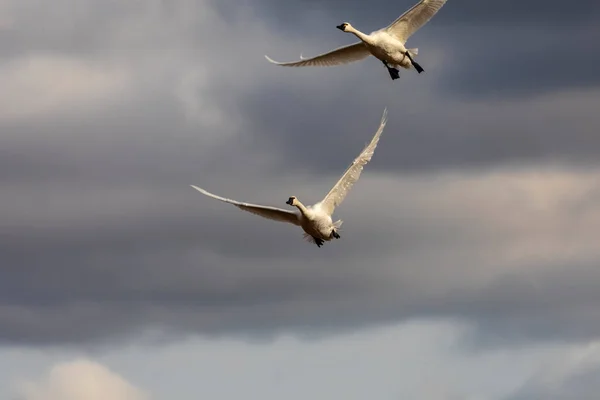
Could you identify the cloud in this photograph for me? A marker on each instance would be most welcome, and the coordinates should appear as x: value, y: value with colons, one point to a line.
x: 425, y: 133
x: 476, y: 70
x: 470, y: 12
x: 494, y: 248
x: 507, y: 50
x: 80, y: 379
x: 477, y: 209
x: 49, y: 84
x: 572, y: 376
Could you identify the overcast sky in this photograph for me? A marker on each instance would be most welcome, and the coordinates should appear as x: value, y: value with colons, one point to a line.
x: 469, y: 265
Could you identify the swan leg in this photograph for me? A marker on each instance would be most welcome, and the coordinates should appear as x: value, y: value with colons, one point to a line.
x: 394, y: 73
x: 335, y: 234
x: 414, y: 63
x: 319, y: 241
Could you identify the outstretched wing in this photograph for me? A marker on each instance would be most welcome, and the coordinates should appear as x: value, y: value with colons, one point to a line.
x: 337, y: 194
x: 413, y: 19
x: 342, y: 55
x: 273, y: 213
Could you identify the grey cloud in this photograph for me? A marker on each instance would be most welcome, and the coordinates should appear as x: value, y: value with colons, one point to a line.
x: 527, y: 61
x: 424, y: 132
x: 102, y: 236
x: 573, y: 377
x: 497, y: 50
x: 471, y: 12
x: 518, y: 307
x: 37, y: 26
x: 213, y: 274
x: 449, y: 116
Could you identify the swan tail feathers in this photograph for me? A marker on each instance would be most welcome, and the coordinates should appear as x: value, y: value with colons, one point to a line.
x: 338, y: 224
x: 309, y: 238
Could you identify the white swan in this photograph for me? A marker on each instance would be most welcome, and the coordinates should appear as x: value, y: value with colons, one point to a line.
x: 386, y: 44
x: 315, y: 220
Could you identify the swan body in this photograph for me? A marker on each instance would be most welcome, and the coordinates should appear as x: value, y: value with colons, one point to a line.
x: 386, y: 44
x: 315, y: 220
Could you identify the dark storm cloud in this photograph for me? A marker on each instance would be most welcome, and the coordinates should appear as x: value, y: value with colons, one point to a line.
x: 103, y: 237
x: 555, y: 14
x: 204, y: 271
x: 549, y: 306
x: 423, y: 133
x: 186, y: 263
x: 480, y: 63
x: 101, y: 292
x: 531, y: 60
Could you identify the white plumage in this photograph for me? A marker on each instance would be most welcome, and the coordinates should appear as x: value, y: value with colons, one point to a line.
x: 315, y: 220
x: 387, y: 44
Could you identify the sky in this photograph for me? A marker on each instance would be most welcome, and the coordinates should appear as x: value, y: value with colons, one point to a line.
x: 468, y: 266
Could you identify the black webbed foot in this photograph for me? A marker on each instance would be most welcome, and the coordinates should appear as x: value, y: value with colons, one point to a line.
x: 394, y: 73
x: 335, y: 234
x: 414, y: 63
x: 319, y: 241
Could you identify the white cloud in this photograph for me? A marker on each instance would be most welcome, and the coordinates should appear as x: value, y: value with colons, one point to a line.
x: 80, y: 380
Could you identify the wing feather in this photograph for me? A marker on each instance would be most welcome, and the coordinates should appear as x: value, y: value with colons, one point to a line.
x: 413, y: 19
x: 337, y: 194
x: 342, y: 55
x: 273, y: 213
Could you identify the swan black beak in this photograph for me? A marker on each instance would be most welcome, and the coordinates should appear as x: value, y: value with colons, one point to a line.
x: 340, y: 27
x: 289, y: 202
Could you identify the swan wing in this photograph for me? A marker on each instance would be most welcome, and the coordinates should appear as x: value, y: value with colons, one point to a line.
x: 413, y: 19
x: 342, y: 55
x: 273, y: 213
x: 337, y: 194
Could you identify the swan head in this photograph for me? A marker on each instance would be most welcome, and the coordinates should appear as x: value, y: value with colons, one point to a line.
x: 344, y: 27
x: 292, y: 201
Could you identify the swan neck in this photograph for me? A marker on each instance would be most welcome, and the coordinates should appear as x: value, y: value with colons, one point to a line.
x: 302, y: 208
x: 359, y: 34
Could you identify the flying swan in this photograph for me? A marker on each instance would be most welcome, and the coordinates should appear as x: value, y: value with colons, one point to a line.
x: 315, y: 220
x: 386, y: 44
